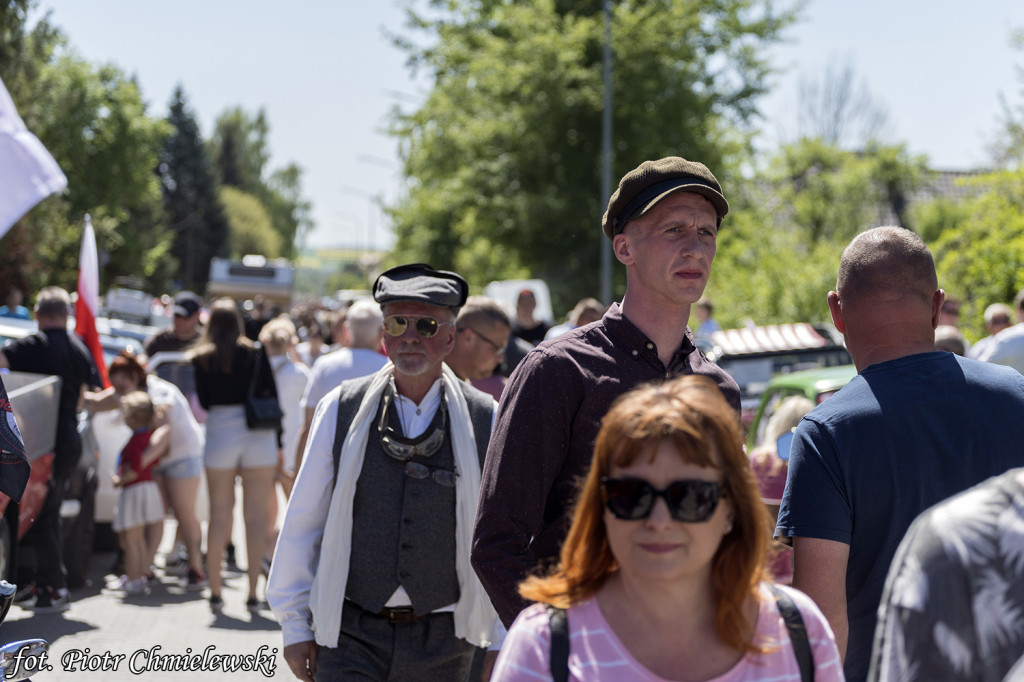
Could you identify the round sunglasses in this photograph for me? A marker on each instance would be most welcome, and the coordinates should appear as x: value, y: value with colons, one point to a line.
x: 395, y: 325
x: 632, y: 499
x: 442, y: 477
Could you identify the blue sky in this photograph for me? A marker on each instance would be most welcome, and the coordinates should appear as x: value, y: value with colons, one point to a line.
x: 326, y: 75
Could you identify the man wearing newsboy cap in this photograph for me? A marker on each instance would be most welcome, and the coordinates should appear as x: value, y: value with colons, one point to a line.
x: 663, y: 222
x: 371, y: 578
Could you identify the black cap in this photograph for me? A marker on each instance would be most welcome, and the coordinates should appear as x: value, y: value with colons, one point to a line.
x: 650, y: 182
x: 187, y: 304
x: 420, y: 283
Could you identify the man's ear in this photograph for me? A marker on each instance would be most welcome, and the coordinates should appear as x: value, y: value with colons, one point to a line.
x: 620, y: 247
x: 937, y: 300
x: 835, y: 307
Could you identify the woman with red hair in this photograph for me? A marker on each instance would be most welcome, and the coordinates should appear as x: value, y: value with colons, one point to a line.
x: 662, y: 574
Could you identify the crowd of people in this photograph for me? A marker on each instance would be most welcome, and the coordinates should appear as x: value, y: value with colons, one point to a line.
x: 474, y: 493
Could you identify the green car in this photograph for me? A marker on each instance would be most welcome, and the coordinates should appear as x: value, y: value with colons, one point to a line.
x: 814, y: 384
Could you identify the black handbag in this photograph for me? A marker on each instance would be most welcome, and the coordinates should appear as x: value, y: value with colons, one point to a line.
x: 261, y: 412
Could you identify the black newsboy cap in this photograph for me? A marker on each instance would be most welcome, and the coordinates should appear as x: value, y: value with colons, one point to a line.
x: 650, y: 182
x: 420, y: 283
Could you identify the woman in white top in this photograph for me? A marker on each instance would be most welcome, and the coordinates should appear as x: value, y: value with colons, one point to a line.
x: 279, y: 338
x: 178, y: 472
x: 662, y: 573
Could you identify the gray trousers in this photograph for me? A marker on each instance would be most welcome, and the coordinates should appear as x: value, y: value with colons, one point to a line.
x: 371, y: 648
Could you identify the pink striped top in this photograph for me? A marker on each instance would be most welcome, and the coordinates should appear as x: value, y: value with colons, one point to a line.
x: 597, y: 655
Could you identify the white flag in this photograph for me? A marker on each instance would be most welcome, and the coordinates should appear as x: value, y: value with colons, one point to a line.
x: 28, y: 174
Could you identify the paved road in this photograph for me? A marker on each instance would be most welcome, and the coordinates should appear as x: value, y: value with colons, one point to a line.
x: 101, y: 630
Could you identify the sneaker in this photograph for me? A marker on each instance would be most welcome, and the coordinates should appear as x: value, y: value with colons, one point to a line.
x: 138, y: 586
x: 216, y: 603
x: 195, y: 581
x: 178, y: 566
x: 52, y: 600
x: 117, y: 584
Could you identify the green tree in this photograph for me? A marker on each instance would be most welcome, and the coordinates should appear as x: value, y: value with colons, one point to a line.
x: 93, y: 121
x: 504, y: 154
x: 251, y: 230
x: 190, y: 197
x: 979, y: 244
x: 239, y: 151
x: 779, y: 250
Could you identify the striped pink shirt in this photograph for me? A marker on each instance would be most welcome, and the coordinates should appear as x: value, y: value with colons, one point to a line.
x: 597, y: 655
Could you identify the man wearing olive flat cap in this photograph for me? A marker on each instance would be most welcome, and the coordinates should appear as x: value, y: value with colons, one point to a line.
x: 371, y: 577
x: 663, y: 222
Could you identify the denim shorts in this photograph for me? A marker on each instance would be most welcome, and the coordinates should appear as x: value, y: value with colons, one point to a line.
x: 189, y: 467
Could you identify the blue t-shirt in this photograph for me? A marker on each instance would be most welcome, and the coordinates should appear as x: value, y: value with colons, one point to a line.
x: 902, y: 436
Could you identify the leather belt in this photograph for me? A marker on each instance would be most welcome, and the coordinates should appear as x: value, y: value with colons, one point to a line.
x: 399, y: 615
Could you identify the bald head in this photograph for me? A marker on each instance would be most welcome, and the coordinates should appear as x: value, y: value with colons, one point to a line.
x: 886, y: 262
x: 888, y: 298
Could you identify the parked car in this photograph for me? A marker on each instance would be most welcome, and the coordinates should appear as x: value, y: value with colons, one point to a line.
x: 34, y: 399
x: 753, y: 355
x: 814, y: 384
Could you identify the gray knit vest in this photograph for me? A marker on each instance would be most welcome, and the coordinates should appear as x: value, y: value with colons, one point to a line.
x: 403, y: 529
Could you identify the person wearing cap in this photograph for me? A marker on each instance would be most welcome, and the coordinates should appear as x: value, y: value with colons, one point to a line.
x: 663, y: 222
x: 184, y: 330
x: 371, y: 577
x: 914, y: 427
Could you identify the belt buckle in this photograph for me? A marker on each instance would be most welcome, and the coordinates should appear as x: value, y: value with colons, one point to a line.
x: 400, y: 615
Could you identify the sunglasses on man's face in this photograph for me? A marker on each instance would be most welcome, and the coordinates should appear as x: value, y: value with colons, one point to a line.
x: 632, y: 499
x: 395, y: 325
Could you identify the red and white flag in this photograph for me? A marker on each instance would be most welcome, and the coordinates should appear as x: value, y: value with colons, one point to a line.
x: 88, y: 304
x: 28, y: 174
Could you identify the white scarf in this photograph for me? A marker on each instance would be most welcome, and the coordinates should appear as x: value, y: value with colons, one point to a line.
x: 474, y: 616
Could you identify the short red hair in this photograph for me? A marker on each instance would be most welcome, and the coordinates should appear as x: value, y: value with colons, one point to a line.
x: 126, y: 363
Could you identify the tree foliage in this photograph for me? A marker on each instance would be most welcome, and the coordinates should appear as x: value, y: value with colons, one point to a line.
x: 240, y: 155
x: 194, y: 211
x: 503, y: 157
x: 979, y: 244
x: 779, y: 249
x: 251, y: 230
x: 93, y: 121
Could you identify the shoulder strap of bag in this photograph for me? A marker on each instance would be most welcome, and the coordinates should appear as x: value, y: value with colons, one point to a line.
x: 257, y: 366
x: 558, y: 622
x: 797, y: 633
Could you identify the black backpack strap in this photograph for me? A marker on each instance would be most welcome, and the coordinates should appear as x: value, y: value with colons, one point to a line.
x: 558, y: 622
x: 797, y: 633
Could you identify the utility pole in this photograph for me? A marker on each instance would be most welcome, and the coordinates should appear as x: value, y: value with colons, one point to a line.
x: 606, y: 154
